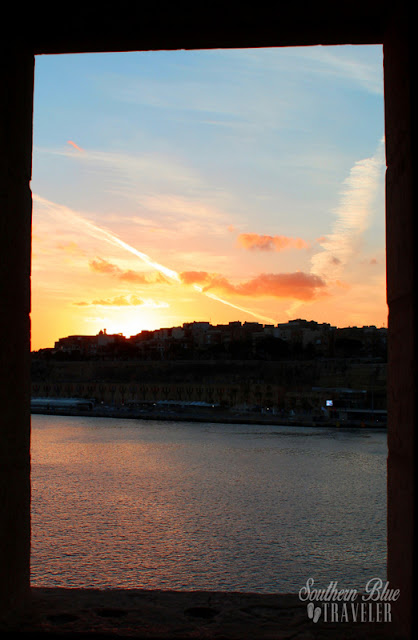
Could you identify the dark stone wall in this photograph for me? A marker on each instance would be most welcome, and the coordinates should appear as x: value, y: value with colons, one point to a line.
x: 194, y: 26
x: 400, y: 107
x: 368, y: 21
x: 16, y: 91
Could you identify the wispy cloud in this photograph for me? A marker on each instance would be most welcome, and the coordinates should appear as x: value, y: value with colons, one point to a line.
x: 71, y: 248
x: 168, y: 194
x: 129, y: 169
x: 353, y: 216
x: 195, y: 214
x: 123, y: 301
x: 346, y: 64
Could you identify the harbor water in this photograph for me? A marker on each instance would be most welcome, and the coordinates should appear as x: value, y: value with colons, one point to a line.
x: 185, y: 506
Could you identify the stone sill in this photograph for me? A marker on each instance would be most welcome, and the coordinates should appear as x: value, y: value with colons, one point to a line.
x: 170, y: 615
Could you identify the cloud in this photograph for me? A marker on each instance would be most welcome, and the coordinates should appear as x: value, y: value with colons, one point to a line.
x: 346, y: 63
x: 99, y: 265
x: 71, y: 248
x: 103, y: 266
x: 129, y: 171
x: 204, y: 278
x: 198, y: 212
x: 119, y: 301
x: 351, y: 64
x: 168, y: 193
x: 298, y: 285
x: 123, y: 301
x: 73, y: 144
x: 254, y: 241
x: 301, y: 286
x: 353, y: 215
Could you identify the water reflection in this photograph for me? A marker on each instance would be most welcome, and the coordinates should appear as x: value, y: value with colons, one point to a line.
x: 197, y: 506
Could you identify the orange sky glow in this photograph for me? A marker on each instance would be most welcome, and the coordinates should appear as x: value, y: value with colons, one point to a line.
x: 133, y: 230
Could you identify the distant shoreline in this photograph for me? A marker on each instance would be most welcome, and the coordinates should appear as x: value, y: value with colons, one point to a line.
x: 215, y: 416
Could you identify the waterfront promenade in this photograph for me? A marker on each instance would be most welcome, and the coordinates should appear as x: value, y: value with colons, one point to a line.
x: 194, y: 413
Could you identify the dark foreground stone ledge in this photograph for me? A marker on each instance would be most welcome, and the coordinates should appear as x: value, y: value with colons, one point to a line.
x: 169, y: 615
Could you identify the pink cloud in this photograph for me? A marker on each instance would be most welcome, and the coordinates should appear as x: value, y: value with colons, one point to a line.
x: 299, y: 285
x: 254, y: 241
x: 73, y: 144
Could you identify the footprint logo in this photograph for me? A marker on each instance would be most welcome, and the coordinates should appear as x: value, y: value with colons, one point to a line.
x: 314, y: 613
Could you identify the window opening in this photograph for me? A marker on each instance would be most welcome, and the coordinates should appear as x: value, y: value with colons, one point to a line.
x: 197, y: 201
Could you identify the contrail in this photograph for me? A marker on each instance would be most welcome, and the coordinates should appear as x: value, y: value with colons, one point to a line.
x: 230, y: 304
x: 98, y: 232
x: 110, y: 237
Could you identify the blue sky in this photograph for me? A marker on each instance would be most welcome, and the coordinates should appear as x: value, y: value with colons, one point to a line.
x: 192, y: 158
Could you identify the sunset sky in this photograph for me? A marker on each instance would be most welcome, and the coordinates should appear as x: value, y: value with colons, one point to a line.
x: 217, y: 185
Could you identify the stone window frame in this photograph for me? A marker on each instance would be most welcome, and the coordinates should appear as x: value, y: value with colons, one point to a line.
x: 325, y: 22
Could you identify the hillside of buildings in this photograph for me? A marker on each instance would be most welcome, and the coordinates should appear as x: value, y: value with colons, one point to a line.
x: 199, y: 360
x: 197, y: 341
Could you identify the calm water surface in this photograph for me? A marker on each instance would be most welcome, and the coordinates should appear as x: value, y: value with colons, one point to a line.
x: 146, y: 504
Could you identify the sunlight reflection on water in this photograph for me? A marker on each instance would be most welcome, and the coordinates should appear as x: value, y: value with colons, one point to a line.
x: 142, y: 504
